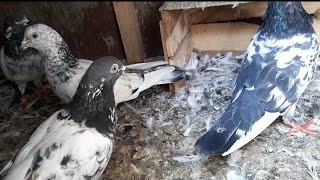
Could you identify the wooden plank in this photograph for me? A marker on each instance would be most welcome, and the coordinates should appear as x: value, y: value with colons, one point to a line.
x: 227, y: 36
x: 178, y: 33
x: 180, y: 59
x: 164, y: 46
x: 169, y: 20
x: 242, y: 11
x: 316, y: 26
x: 130, y: 31
x: 183, y: 53
x: 222, y: 36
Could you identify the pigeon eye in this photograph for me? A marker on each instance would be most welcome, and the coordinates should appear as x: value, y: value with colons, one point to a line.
x: 34, y: 35
x: 114, y: 68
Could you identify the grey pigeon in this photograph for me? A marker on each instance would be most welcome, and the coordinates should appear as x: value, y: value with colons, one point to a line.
x: 19, y: 66
x: 64, y: 71
x: 75, y: 142
x: 278, y: 66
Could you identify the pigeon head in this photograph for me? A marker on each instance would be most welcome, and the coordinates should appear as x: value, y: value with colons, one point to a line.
x: 41, y: 37
x: 285, y: 18
x: 93, y: 103
x: 49, y: 43
x: 103, y: 72
x: 95, y: 91
x: 14, y: 26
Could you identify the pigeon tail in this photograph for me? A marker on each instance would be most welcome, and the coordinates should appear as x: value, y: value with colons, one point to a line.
x: 242, y: 121
x: 176, y: 75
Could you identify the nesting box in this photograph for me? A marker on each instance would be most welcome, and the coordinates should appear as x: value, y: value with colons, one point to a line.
x: 212, y: 27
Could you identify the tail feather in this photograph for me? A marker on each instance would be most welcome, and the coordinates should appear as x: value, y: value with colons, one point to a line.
x: 242, y: 121
x: 176, y: 75
x: 140, y: 77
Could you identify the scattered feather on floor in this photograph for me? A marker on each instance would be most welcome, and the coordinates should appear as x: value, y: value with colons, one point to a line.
x: 163, y: 150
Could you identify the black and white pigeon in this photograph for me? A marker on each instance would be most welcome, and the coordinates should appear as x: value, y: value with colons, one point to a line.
x: 64, y: 71
x: 279, y: 64
x: 75, y: 142
x: 19, y: 66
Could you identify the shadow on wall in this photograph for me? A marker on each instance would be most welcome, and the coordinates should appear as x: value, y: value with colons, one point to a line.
x: 149, y: 18
x: 89, y: 28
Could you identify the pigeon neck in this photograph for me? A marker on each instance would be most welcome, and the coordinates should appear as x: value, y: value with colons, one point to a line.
x: 285, y: 19
x: 11, y: 49
x: 59, y: 63
x: 95, y: 107
x: 13, y: 39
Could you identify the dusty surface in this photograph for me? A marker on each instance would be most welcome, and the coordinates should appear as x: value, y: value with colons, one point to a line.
x: 156, y: 134
x: 194, y: 4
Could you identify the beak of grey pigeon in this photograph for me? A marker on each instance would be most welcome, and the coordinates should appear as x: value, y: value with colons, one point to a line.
x: 24, y: 44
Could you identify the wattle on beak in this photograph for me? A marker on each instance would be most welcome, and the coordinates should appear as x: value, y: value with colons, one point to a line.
x: 24, y: 44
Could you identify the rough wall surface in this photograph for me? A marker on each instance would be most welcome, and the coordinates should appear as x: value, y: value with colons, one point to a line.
x: 89, y: 28
x: 149, y: 17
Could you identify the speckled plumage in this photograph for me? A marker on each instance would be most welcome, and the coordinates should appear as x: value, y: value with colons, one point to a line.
x: 75, y: 142
x: 279, y: 64
x: 64, y: 71
x: 19, y: 66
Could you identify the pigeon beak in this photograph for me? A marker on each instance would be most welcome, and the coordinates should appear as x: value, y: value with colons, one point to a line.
x: 24, y: 44
x: 123, y: 68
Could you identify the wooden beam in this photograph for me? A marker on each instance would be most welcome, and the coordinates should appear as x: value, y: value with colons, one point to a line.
x: 316, y: 26
x: 164, y: 46
x: 242, y: 11
x: 178, y: 33
x: 222, y: 36
x: 180, y: 59
x: 169, y: 20
x: 130, y: 31
x: 183, y: 53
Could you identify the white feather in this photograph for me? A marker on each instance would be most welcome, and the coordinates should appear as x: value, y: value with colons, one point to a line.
x: 146, y: 65
x: 193, y: 62
x: 234, y: 157
x: 22, y: 73
x: 186, y: 159
x: 81, y: 147
x: 256, y: 129
x: 233, y: 175
x: 130, y: 81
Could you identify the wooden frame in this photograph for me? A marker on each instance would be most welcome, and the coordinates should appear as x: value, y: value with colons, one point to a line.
x: 130, y: 31
x: 183, y: 30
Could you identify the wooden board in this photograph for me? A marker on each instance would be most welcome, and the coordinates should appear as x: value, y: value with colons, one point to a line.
x: 227, y: 36
x: 130, y: 32
x: 188, y: 29
x: 242, y: 11
x: 183, y: 53
x: 178, y: 33
x: 180, y: 58
x: 164, y: 45
x: 222, y: 36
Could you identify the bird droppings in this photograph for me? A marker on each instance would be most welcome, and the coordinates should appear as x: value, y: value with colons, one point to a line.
x: 156, y: 134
